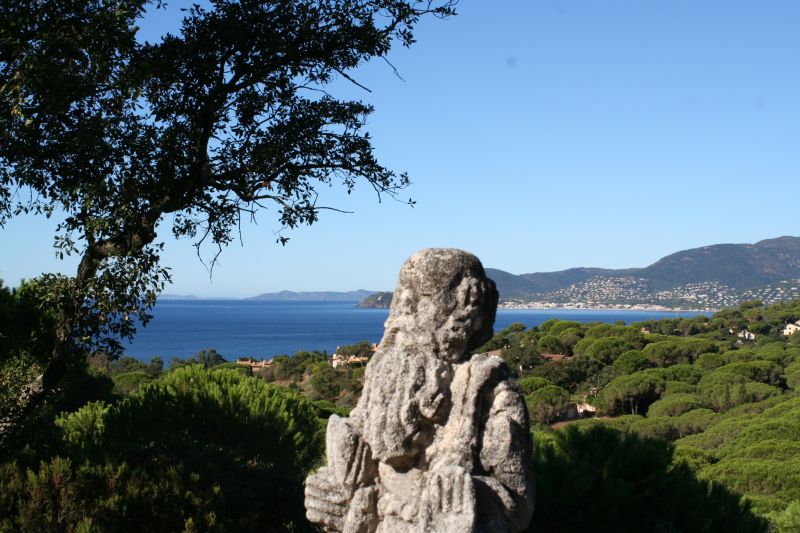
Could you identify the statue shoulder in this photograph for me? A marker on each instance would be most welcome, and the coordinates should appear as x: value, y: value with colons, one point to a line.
x: 485, y: 369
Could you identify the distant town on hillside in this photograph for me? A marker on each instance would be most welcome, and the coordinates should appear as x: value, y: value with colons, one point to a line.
x: 706, y: 278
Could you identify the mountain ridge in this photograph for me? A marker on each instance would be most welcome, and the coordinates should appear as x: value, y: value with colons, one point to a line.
x: 706, y: 277
x: 742, y: 266
x: 730, y: 272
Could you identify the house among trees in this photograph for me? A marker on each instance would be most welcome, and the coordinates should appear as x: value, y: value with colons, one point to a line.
x: 357, y: 354
x: 345, y: 360
x: 791, y: 328
x: 252, y: 364
x: 578, y: 410
x: 746, y: 335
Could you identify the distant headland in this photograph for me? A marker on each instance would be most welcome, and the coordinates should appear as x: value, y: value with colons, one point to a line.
x: 379, y: 300
x: 318, y: 296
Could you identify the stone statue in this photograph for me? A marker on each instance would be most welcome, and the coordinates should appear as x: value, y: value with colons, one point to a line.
x: 439, y: 440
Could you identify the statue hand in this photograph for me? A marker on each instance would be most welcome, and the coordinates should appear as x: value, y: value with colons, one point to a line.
x: 326, y: 500
x: 451, y: 499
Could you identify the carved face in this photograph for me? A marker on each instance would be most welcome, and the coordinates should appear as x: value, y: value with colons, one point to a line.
x: 443, y: 307
x: 444, y: 297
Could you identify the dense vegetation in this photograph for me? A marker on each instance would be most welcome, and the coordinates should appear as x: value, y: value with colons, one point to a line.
x: 126, y: 445
x: 728, y: 408
x: 196, y: 450
x: 602, y: 480
x: 690, y: 419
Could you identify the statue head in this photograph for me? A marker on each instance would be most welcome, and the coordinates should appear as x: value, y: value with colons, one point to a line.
x: 443, y: 295
x: 443, y: 308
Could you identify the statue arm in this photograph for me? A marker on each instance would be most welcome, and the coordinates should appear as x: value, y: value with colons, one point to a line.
x: 506, y: 455
x: 340, y: 493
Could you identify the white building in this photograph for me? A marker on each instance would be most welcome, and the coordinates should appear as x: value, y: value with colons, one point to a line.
x: 745, y: 335
x: 791, y: 328
x: 578, y: 410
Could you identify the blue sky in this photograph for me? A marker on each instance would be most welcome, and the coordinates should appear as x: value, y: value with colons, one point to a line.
x: 540, y: 135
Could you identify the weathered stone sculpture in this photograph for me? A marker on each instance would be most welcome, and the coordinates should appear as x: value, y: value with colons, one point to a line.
x: 439, y: 440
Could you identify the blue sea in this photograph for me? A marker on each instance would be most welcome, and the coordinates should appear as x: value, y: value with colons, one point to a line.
x: 260, y: 329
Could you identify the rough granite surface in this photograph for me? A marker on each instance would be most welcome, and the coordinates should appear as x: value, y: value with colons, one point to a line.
x: 439, y: 440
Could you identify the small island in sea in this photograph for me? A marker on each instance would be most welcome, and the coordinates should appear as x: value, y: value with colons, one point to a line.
x: 379, y: 300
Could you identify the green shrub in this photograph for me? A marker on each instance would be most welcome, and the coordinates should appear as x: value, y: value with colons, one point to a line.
x: 674, y: 405
x: 758, y: 407
x: 604, y: 349
x: 326, y: 408
x: 757, y: 392
x: 631, y: 361
x: 213, y: 449
x: 695, y: 458
x: 568, y: 373
x: 719, y: 434
x: 676, y: 387
x: 626, y: 483
x: 681, y: 372
x: 632, y: 393
x: 532, y: 383
x: 551, y: 344
x: 678, y: 351
x: 326, y: 381
x: 709, y: 361
x: 695, y: 421
x: 792, y: 374
x: 547, y: 403
x: 757, y: 370
x: 657, y: 427
x: 778, y: 480
x: 787, y: 520
x: 742, y: 355
x: 128, y: 382
x: 629, y: 334
x: 779, y: 449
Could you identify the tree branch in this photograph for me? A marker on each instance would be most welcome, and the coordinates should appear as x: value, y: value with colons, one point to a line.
x: 345, y: 76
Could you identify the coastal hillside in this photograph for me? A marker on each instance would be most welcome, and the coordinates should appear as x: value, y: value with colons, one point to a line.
x: 709, y: 277
x: 739, y: 266
x: 379, y: 300
x: 523, y: 285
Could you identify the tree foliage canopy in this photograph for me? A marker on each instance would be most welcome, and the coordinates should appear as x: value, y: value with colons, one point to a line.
x: 231, y: 115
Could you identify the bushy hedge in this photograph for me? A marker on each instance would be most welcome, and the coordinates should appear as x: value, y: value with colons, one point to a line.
x: 195, y: 450
x: 602, y: 480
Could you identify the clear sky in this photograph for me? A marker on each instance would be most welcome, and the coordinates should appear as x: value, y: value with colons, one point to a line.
x: 540, y: 135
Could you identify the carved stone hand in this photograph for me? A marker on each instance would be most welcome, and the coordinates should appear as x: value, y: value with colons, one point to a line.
x: 450, y: 498
x: 327, y: 501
